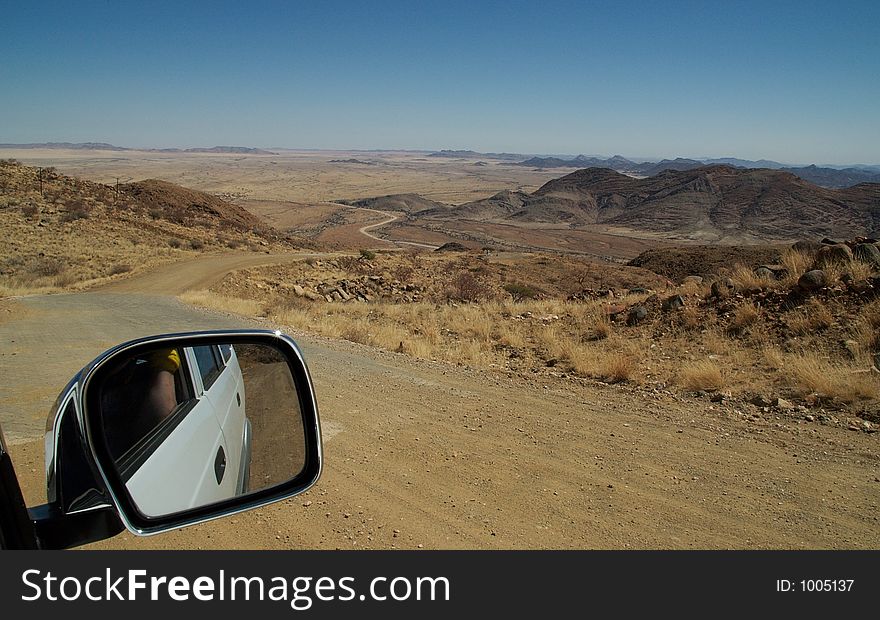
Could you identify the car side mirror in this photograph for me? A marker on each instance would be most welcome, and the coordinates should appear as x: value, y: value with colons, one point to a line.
x: 178, y: 429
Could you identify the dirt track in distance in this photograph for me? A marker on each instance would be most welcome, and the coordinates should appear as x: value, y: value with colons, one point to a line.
x: 422, y: 454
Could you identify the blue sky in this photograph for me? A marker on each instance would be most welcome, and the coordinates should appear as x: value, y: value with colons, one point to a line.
x: 796, y: 82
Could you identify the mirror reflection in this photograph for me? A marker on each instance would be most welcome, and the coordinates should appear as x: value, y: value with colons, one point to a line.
x: 188, y: 426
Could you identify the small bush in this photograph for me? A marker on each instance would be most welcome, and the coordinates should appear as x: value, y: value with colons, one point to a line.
x: 197, y: 244
x: 466, y: 287
x: 76, y: 212
x: 368, y: 254
x: 119, y: 268
x: 175, y: 243
x: 47, y: 267
x: 29, y: 211
x: 520, y: 291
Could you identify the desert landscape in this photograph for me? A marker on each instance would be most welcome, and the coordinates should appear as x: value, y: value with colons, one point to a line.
x: 506, y: 355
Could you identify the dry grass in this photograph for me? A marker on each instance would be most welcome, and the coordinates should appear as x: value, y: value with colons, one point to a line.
x: 813, y: 317
x: 745, y: 279
x: 772, y: 357
x: 701, y: 375
x: 845, y: 382
x: 208, y: 299
x: 796, y: 264
x: 745, y: 315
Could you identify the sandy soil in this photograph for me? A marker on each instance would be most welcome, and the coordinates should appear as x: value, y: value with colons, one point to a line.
x: 426, y: 455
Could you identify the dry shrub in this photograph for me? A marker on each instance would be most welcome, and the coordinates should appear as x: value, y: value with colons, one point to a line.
x: 617, y: 367
x: 812, y: 374
x: 66, y: 279
x: 466, y: 287
x: 29, y: 210
x: 701, y: 375
x: 690, y: 319
x: 813, y: 317
x: 175, y: 243
x: 867, y: 327
x: 773, y: 358
x: 860, y: 271
x: 119, y: 268
x: 47, y: 267
x: 796, y: 263
x: 746, y: 279
x: 745, y: 315
x: 519, y: 291
x: 196, y: 244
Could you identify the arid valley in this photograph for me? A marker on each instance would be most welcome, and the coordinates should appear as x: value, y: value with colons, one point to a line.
x: 505, y: 355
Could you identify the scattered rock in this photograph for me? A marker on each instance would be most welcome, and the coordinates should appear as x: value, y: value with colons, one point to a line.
x: 781, y: 403
x: 764, y: 273
x: 812, y: 280
x: 692, y: 280
x: 837, y: 253
x: 868, y: 253
x: 636, y: 315
x: 298, y: 290
x: 760, y: 401
x: 674, y: 302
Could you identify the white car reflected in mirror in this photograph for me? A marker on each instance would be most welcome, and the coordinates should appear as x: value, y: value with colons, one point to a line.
x: 192, y: 426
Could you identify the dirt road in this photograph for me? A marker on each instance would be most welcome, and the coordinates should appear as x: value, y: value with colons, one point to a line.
x: 425, y: 455
x: 365, y: 230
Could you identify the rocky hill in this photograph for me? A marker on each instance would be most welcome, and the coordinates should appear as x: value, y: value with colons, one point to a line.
x: 712, y: 203
x: 63, y: 232
x: 406, y: 203
x: 822, y: 176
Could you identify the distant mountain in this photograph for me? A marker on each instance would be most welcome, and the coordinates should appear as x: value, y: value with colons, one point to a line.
x: 745, y: 163
x: 715, y: 203
x: 834, y: 177
x: 235, y: 150
x: 825, y: 177
x: 103, y: 146
x: 475, y: 155
x: 91, y: 146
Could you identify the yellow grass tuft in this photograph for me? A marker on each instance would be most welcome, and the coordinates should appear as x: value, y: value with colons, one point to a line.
x: 701, y: 375
x: 848, y: 383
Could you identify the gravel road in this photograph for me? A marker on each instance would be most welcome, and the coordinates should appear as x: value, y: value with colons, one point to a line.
x: 427, y: 455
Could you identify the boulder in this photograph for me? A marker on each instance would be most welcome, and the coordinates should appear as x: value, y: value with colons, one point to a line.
x: 837, y: 253
x: 674, y: 302
x: 298, y: 290
x: 692, y: 280
x: 868, y: 253
x: 722, y: 288
x: 636, y: 315
x: 812, y: 280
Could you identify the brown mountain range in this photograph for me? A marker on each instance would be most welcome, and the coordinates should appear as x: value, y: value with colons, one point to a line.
x: 713, y: 203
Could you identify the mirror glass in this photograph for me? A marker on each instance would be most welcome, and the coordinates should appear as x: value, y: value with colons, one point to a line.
x: 189, y: 426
